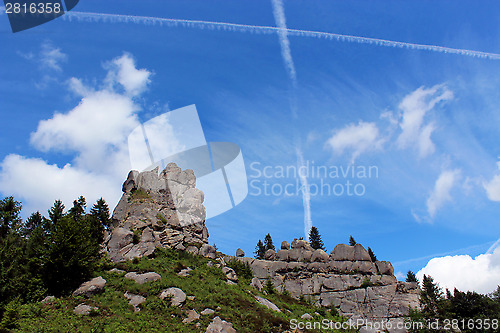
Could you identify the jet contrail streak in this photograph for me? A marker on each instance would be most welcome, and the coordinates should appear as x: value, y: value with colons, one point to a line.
x: 147, y: 20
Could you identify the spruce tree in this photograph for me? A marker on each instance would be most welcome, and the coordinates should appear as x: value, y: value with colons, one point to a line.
x: 430, y: 296
x: 411, y: 277
x: 260, y: 250
x: 78, y: 209
x: 352, y: 242
x: 56, y: 212
x: 268, y: 243
x: 9, y: 215
x: 100, y: 210
x: 372, y: 255
x: 315, y: 239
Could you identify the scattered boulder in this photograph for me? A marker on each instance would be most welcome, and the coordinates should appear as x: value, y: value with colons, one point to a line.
x: 135, y: 300
x: 92, y: 287
x: 184, y: 272
x: 48, y: 299
x: 220, y: 326
x: 301, y: 244
x: 143, y: 278
x: 117, y: 271
x: 306, y: 316
x: 191, y: 298
x: 192, y: 315
x: 270, y: 255
x: 282, y: 255
x: 192, y: 249
x: 178, y: 297
x: 84, y: 309
x: 230, y: 274
x: 207, y: 311
x: 207, y: 251
x: 320, y: 256
x: 267, y: 303
x: 285, y: 245
x: 240, y: 253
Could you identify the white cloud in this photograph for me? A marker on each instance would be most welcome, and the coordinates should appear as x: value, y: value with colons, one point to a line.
x: 38, y: 184
x: 493, y: 187
x: 441, y: 192
x: 122, y: 70
x: 51, y: 57
x: 94, y: 133
x: 357, y: 138
x: 414, y: 108
x: 480, y: 274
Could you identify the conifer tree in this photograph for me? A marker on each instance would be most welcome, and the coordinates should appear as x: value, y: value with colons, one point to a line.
x: 410, y: 277
x: 352, y: 242
x: 268, y: 243
x: 260, y: 250
x: 56, y: 212
x: 315, y: 239
x: 430, y: 296
x: 100, y: 210
x: 372, y: 255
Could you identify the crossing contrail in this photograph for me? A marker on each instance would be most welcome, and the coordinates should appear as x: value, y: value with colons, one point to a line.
x: 224, y: 26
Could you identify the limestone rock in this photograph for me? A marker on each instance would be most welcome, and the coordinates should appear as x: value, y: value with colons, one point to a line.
x: 385, y: 267
x: 230, y: 274
x: 207, y: 251
x: 306, y: 316
x: 220, y: 326
x: 84, y: 309
x: 270, y: 255
x: 192, y: 315
x: 256, y: 284
x: 207, y: 312
x: 143, y: 278
x: 240, y: 253
x: 178, y: 297
x: 135, y: 300
x: 92, y: 287
x: 319, y: 256
x: 268, y: 304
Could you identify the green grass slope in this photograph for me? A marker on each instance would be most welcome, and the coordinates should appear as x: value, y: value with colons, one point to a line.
x: 233, y: 303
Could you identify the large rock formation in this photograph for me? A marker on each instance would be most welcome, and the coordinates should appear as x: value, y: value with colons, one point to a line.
x: 157, y: 210
x: 346, y: 279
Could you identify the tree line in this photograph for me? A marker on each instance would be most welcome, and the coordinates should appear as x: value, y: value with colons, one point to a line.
x: 48, y: 256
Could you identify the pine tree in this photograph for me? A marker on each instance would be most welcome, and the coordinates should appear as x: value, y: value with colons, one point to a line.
x: 78, y: 209
x: 268, y: 243
x: 410, y: 277
x: 352, y: 242
x: 260, y: 250
x: 9, y: 215
x: 372, y: 255
x: 315, y: 239
x: 56, y: 212
x: 430, y: 296
x: 100, y: 210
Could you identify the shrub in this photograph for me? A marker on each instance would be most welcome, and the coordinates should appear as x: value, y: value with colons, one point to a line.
x: 241, y: 268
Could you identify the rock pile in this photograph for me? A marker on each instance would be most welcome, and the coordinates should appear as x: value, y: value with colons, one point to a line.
x: 157, y: 210
x: 346, y: 279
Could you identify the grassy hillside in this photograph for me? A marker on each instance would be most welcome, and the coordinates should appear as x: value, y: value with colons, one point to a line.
x: 233, y: 303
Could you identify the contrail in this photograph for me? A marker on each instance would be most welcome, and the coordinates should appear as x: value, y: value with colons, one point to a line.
x: 286, y: 54
x: 147, y: 20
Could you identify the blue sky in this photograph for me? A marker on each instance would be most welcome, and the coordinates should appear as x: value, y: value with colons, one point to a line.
x: 427, y: 120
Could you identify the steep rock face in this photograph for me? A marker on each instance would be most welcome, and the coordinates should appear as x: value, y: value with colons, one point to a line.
x: 347, y: 279
x: 157, y: 210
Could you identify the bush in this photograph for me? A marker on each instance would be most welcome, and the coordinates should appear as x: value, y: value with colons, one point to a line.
x: 242, y: 269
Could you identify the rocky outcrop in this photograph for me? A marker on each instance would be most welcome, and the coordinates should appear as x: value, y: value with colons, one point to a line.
x: 346, y: 279
x: 220, y: 326
x: 92, y: 287
x: 157, y: 210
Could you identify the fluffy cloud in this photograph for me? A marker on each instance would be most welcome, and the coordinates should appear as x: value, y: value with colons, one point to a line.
x: 414, y: 107
x: 94, y: 133
x: 51, y: 57
x: 357, y: 138
x: 480, y: 274
x: 441, y: 192
x: 123, y: 71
